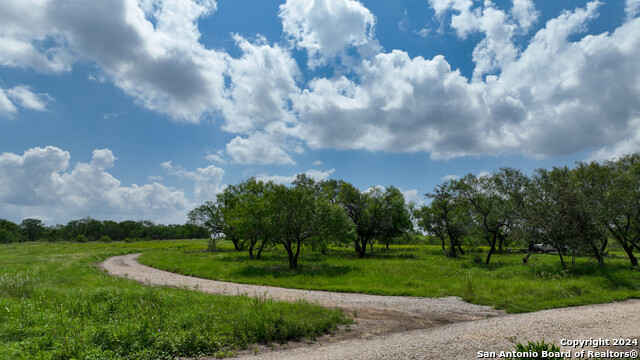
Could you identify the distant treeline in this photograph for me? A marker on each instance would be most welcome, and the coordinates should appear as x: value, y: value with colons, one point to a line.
x: 88, y: 229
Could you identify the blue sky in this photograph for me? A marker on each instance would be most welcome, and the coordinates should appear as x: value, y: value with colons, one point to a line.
x: 142, y: 109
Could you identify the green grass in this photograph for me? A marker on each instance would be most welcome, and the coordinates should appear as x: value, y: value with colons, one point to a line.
x: 416, y: 270
x: 56, y: 304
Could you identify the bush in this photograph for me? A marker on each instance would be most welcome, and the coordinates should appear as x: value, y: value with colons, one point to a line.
x: 536, y: 348
x: 81, y: 239
x: 104, y: 238
x: 6, y: 237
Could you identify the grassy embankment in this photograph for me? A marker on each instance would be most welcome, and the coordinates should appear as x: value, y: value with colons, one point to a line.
x: 56, y: 304
x: 420, y: 271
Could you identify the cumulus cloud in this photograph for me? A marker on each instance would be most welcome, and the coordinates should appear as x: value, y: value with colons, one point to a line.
x: 262, y: 83
x: 632, y: 8
x: 259, y: 148
x: 314, y: 174
x: 208, y: 180
x: 556, y: 93
x: 150, y: 52
x: 325, y: 28
x: 27, y: 99
x: 22, y: 96
x: 535, y: 103
x: 39, y: 183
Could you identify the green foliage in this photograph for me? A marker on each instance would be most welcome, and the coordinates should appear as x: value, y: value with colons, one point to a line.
x: 538, y: 348
x: 7, y: 237
x: 80, y: 239
x: 56, y: 305
x: 104, y: 238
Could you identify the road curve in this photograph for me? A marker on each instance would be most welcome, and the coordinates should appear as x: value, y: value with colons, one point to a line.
x: 398, y: 327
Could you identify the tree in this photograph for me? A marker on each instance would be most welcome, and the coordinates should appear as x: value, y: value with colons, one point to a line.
x: 614, y: 189
x: 558, y: 213
x: 375, y: 214
x: 209, y: 215
x: 251, y: 216
x: 32, y: 229
x: 398, y: 220
x: 299, y: 216
x: 493, y: 210
x: 444, y: 217
x: 11, y: 231
x: 6, y: 236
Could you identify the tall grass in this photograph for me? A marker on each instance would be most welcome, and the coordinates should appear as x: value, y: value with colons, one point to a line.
x: 416, y: 270
x: 56, y: 304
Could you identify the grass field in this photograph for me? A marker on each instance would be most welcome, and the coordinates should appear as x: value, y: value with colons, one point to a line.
x: 56, y: 304
x: 417, y: 270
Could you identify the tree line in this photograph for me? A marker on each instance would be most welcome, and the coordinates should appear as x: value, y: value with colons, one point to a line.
x: 88, y: 229
x: 255, y: 215
x: 575, y: 211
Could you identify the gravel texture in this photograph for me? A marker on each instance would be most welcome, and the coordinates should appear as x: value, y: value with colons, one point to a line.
x: 398, y: 327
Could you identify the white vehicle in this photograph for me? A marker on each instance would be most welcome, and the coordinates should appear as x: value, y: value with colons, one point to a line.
x: 548, y: 248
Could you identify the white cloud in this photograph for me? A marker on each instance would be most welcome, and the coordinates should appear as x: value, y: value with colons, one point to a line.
x: 325, y: 28
x: 412, y: 196
x: 423, y: 33
x: 317, y: 163
x: 207, y: 181
x: 525, y: 14
x: 632, y: 8
x: 533, y: 106
x: 23, y: 96
x: 262, y: 82
x: 6, y: 106
x: 217, y: 157
x: 629, y: 145
x: 560, y: 93
x: 38, y: 183
x: 450, y: 177
x: 160, y: 63
x: 259, y: 148
x: 27, y: 99
x: 314, y: 174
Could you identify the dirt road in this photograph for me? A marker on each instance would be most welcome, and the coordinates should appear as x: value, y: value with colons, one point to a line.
x: 398, y: 327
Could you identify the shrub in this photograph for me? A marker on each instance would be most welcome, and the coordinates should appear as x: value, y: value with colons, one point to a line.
x: 536, y: 348
x: 6, y: 237
x: 81, y: 239
x: 105, y: 238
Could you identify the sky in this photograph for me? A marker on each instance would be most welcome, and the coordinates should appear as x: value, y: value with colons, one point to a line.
x: 144, y: 109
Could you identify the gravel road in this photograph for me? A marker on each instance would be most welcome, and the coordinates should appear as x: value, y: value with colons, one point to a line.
x: 398, y: 327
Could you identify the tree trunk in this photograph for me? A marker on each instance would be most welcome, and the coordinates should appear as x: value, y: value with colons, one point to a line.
x: 459, y: 247
x: 564, y: 266
x: 260, y: 249
x: 361, y: 246
x: 629, y: 251
x: 492, y: 247
x: 489, y: 255
x: 452, y: 253
x: 598, y: 255
x: 236, y: 244
x: 252, y: 243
